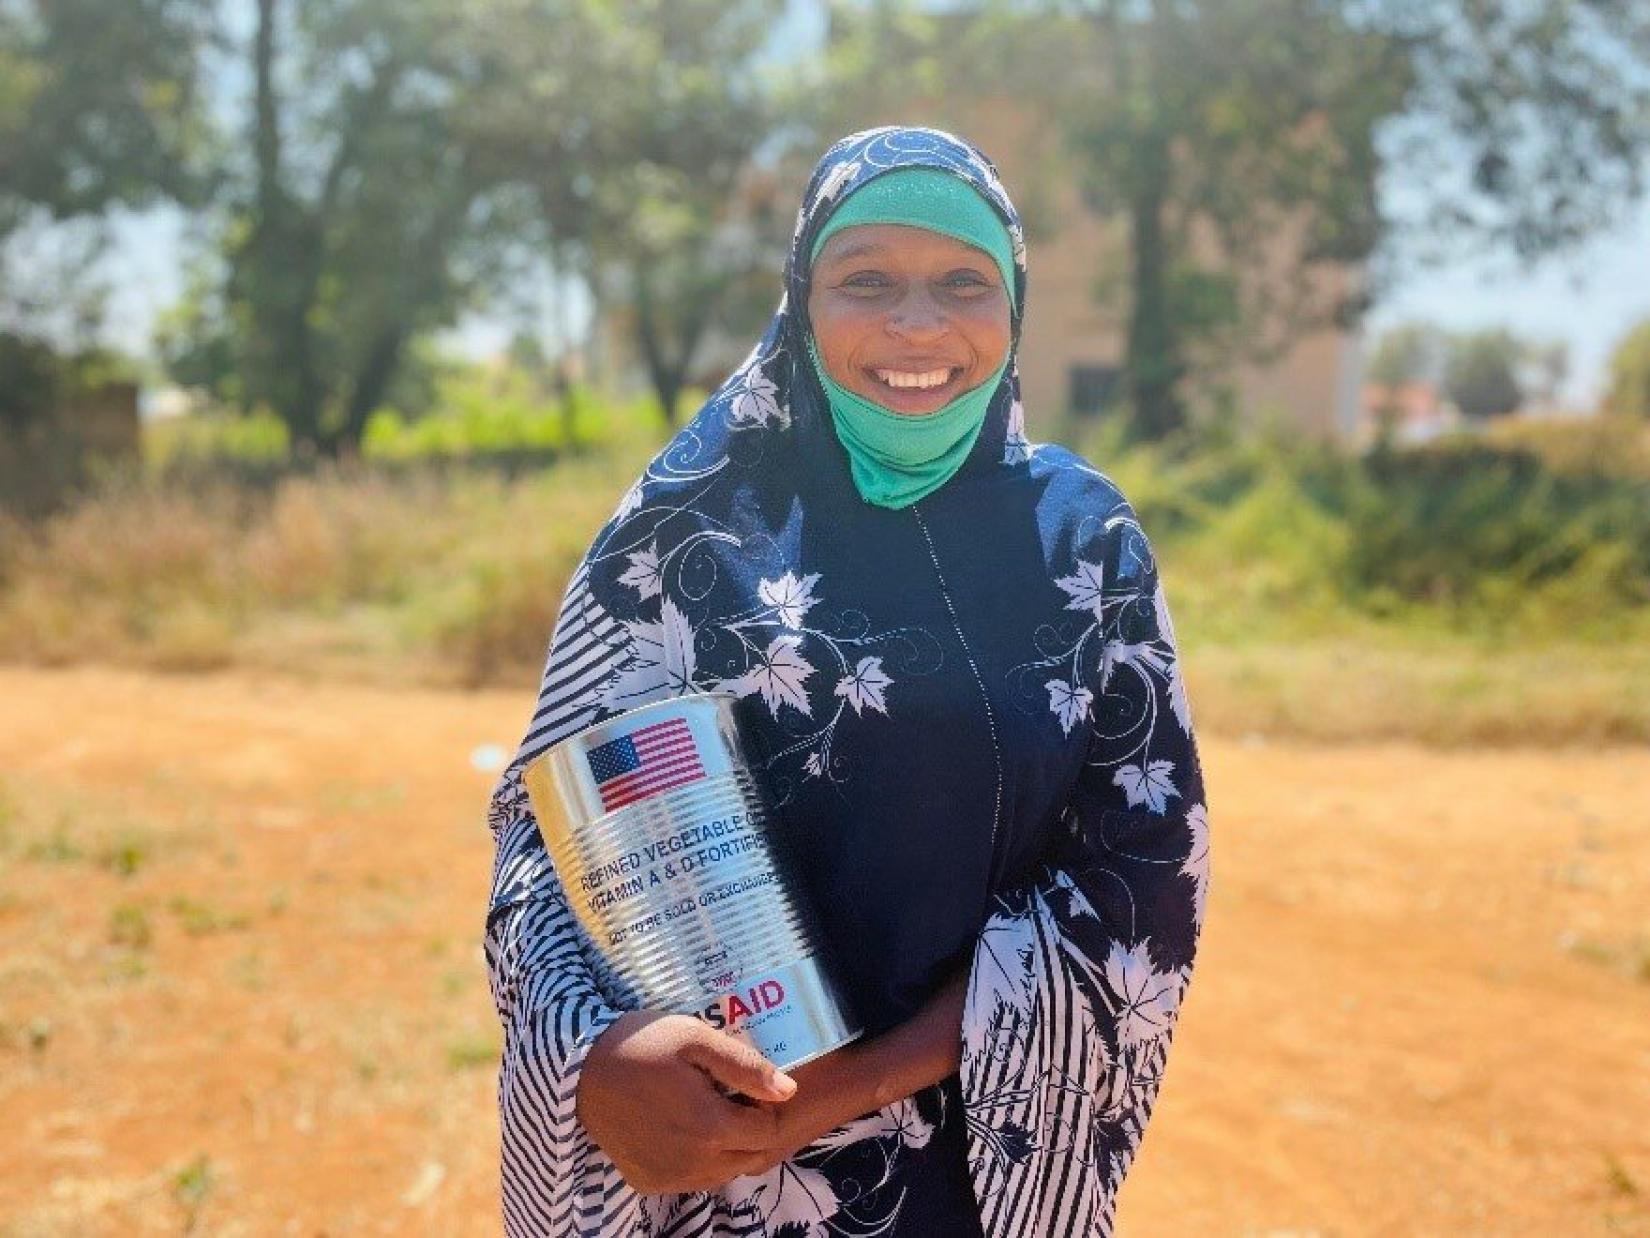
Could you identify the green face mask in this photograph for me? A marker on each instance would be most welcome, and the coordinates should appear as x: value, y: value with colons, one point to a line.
x: 897, y: 459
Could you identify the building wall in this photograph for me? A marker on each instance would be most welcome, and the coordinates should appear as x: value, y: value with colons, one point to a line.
x: 1076, y: 313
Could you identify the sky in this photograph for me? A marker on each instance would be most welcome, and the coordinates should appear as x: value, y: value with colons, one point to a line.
x: 1587, y: 299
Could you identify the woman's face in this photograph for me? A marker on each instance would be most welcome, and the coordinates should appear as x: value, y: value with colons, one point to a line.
x: 907, y: 318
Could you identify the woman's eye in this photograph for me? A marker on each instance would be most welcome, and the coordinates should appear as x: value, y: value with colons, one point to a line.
x: 866, y: 281
x: 967, y: 283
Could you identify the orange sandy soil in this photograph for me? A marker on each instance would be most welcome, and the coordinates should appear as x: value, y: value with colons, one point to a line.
x: 241, y: 991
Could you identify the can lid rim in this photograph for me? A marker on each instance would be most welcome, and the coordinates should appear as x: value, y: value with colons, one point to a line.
x: 567, y: 742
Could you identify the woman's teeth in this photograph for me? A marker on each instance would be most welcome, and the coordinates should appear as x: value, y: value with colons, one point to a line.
x: 921, y: 382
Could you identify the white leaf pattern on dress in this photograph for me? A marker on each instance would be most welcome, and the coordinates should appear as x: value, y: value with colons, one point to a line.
x: 1000, y: 983
x: 1148, y: 996
x: 780, y: 674
x: 662, y: 661
x: 1086, y: 588
x: 1070, y: 702
x: 835, y: 180
x: 754, y: 397
x: 1151, y: 786
x: 901, y: 1121
x: 643, y: 573
x: 1017, y: 448
x: 792, y: 598
x: 791, y: 1195
x: 863, y: 689
x: 1196, y: 865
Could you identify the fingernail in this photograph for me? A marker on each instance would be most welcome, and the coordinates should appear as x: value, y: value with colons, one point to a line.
x: 783, y: 1083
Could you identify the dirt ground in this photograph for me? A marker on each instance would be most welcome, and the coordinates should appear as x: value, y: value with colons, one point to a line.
x: 241, y: 991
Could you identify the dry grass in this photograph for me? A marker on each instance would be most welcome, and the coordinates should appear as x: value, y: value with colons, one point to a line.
x: 1445, y: 693
x: 454, y: 579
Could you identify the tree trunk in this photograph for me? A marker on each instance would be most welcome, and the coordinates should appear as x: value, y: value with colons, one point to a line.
x: 284, y: 264
x: 367, y: 393
x: 664, y: 372
x: 1154, y: 361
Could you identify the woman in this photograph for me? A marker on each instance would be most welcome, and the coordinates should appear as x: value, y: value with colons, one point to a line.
x: 959, y: 674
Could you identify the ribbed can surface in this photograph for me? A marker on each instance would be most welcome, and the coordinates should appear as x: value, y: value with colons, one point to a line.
x: 665, y: 845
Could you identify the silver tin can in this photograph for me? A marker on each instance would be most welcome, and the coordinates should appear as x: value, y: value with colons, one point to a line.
x: 664, y: 843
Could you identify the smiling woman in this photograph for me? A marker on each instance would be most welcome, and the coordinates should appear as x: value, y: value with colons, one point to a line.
x: 956, y: 671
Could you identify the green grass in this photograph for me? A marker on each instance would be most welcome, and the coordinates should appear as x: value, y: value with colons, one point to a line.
x: 1495, y: 589
x: 472, y: 1049
x: 202, y: 919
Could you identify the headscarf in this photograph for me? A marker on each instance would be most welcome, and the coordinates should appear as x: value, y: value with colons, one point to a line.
x: 774, y: 406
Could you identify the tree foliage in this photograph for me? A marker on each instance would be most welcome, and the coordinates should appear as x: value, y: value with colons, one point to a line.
x: 1481, y: 373
x: 1629, y: 394
x: 1217, y: 129
x: 100, y: 106
x: 99, y: 103
x: 1405, y: 354
x: 407, y: 158
x: 359, y: 218
x: 659, y: 188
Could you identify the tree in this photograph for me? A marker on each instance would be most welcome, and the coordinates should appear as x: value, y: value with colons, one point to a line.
x: 1237, y: 140
x: 1481, y: 373
x: 1629, y: 394
x: 408, y: 158
x: 99, y: 107
x: 1405, y: 354
x: 1546, y: 367
x: 1242, y: 143
x: 359, y: 216
x: 347, y: 243
x: 99, y: 104
x: 659, y: 191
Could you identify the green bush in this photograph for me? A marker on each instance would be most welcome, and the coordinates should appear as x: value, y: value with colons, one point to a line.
x: 1541, y: 534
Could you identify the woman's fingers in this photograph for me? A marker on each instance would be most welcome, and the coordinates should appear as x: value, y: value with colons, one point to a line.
x: 736, y: 1065
x: 741, y: 1129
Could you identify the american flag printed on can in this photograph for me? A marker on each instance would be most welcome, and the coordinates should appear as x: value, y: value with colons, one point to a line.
x: 645, y: 762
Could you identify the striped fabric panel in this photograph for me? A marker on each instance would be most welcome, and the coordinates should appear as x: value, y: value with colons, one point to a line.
x: 588, y: 648
x: 555, y: 1181
x: 1058, y: 1191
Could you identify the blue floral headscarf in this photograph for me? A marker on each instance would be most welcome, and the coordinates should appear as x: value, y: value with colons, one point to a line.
x: 775, y: 388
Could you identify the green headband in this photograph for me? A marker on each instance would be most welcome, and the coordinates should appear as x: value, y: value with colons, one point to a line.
x: 926, y: 198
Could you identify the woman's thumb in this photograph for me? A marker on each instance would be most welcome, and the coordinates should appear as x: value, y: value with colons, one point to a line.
x: 736, y: 1065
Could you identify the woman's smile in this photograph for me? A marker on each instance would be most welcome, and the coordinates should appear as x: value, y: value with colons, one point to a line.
x: 916, y: 389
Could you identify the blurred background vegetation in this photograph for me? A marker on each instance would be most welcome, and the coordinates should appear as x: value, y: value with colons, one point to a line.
x: 307, y: 471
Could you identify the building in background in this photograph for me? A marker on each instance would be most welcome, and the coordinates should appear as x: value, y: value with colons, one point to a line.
x: 1072, y: 350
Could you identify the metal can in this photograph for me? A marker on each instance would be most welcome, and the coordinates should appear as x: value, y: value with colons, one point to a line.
x: 665, y: 844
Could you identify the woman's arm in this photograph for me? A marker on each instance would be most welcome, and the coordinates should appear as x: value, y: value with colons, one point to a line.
x: 871, y: 1074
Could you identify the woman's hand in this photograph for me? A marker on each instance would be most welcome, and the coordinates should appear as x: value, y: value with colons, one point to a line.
x: 647, y: 1095
x: 647, y: 1098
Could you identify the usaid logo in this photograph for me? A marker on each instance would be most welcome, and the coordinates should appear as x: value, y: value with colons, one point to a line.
x: 732, y: 1009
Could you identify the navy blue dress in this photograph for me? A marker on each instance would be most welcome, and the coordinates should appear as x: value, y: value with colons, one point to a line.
x: 972, y: 718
